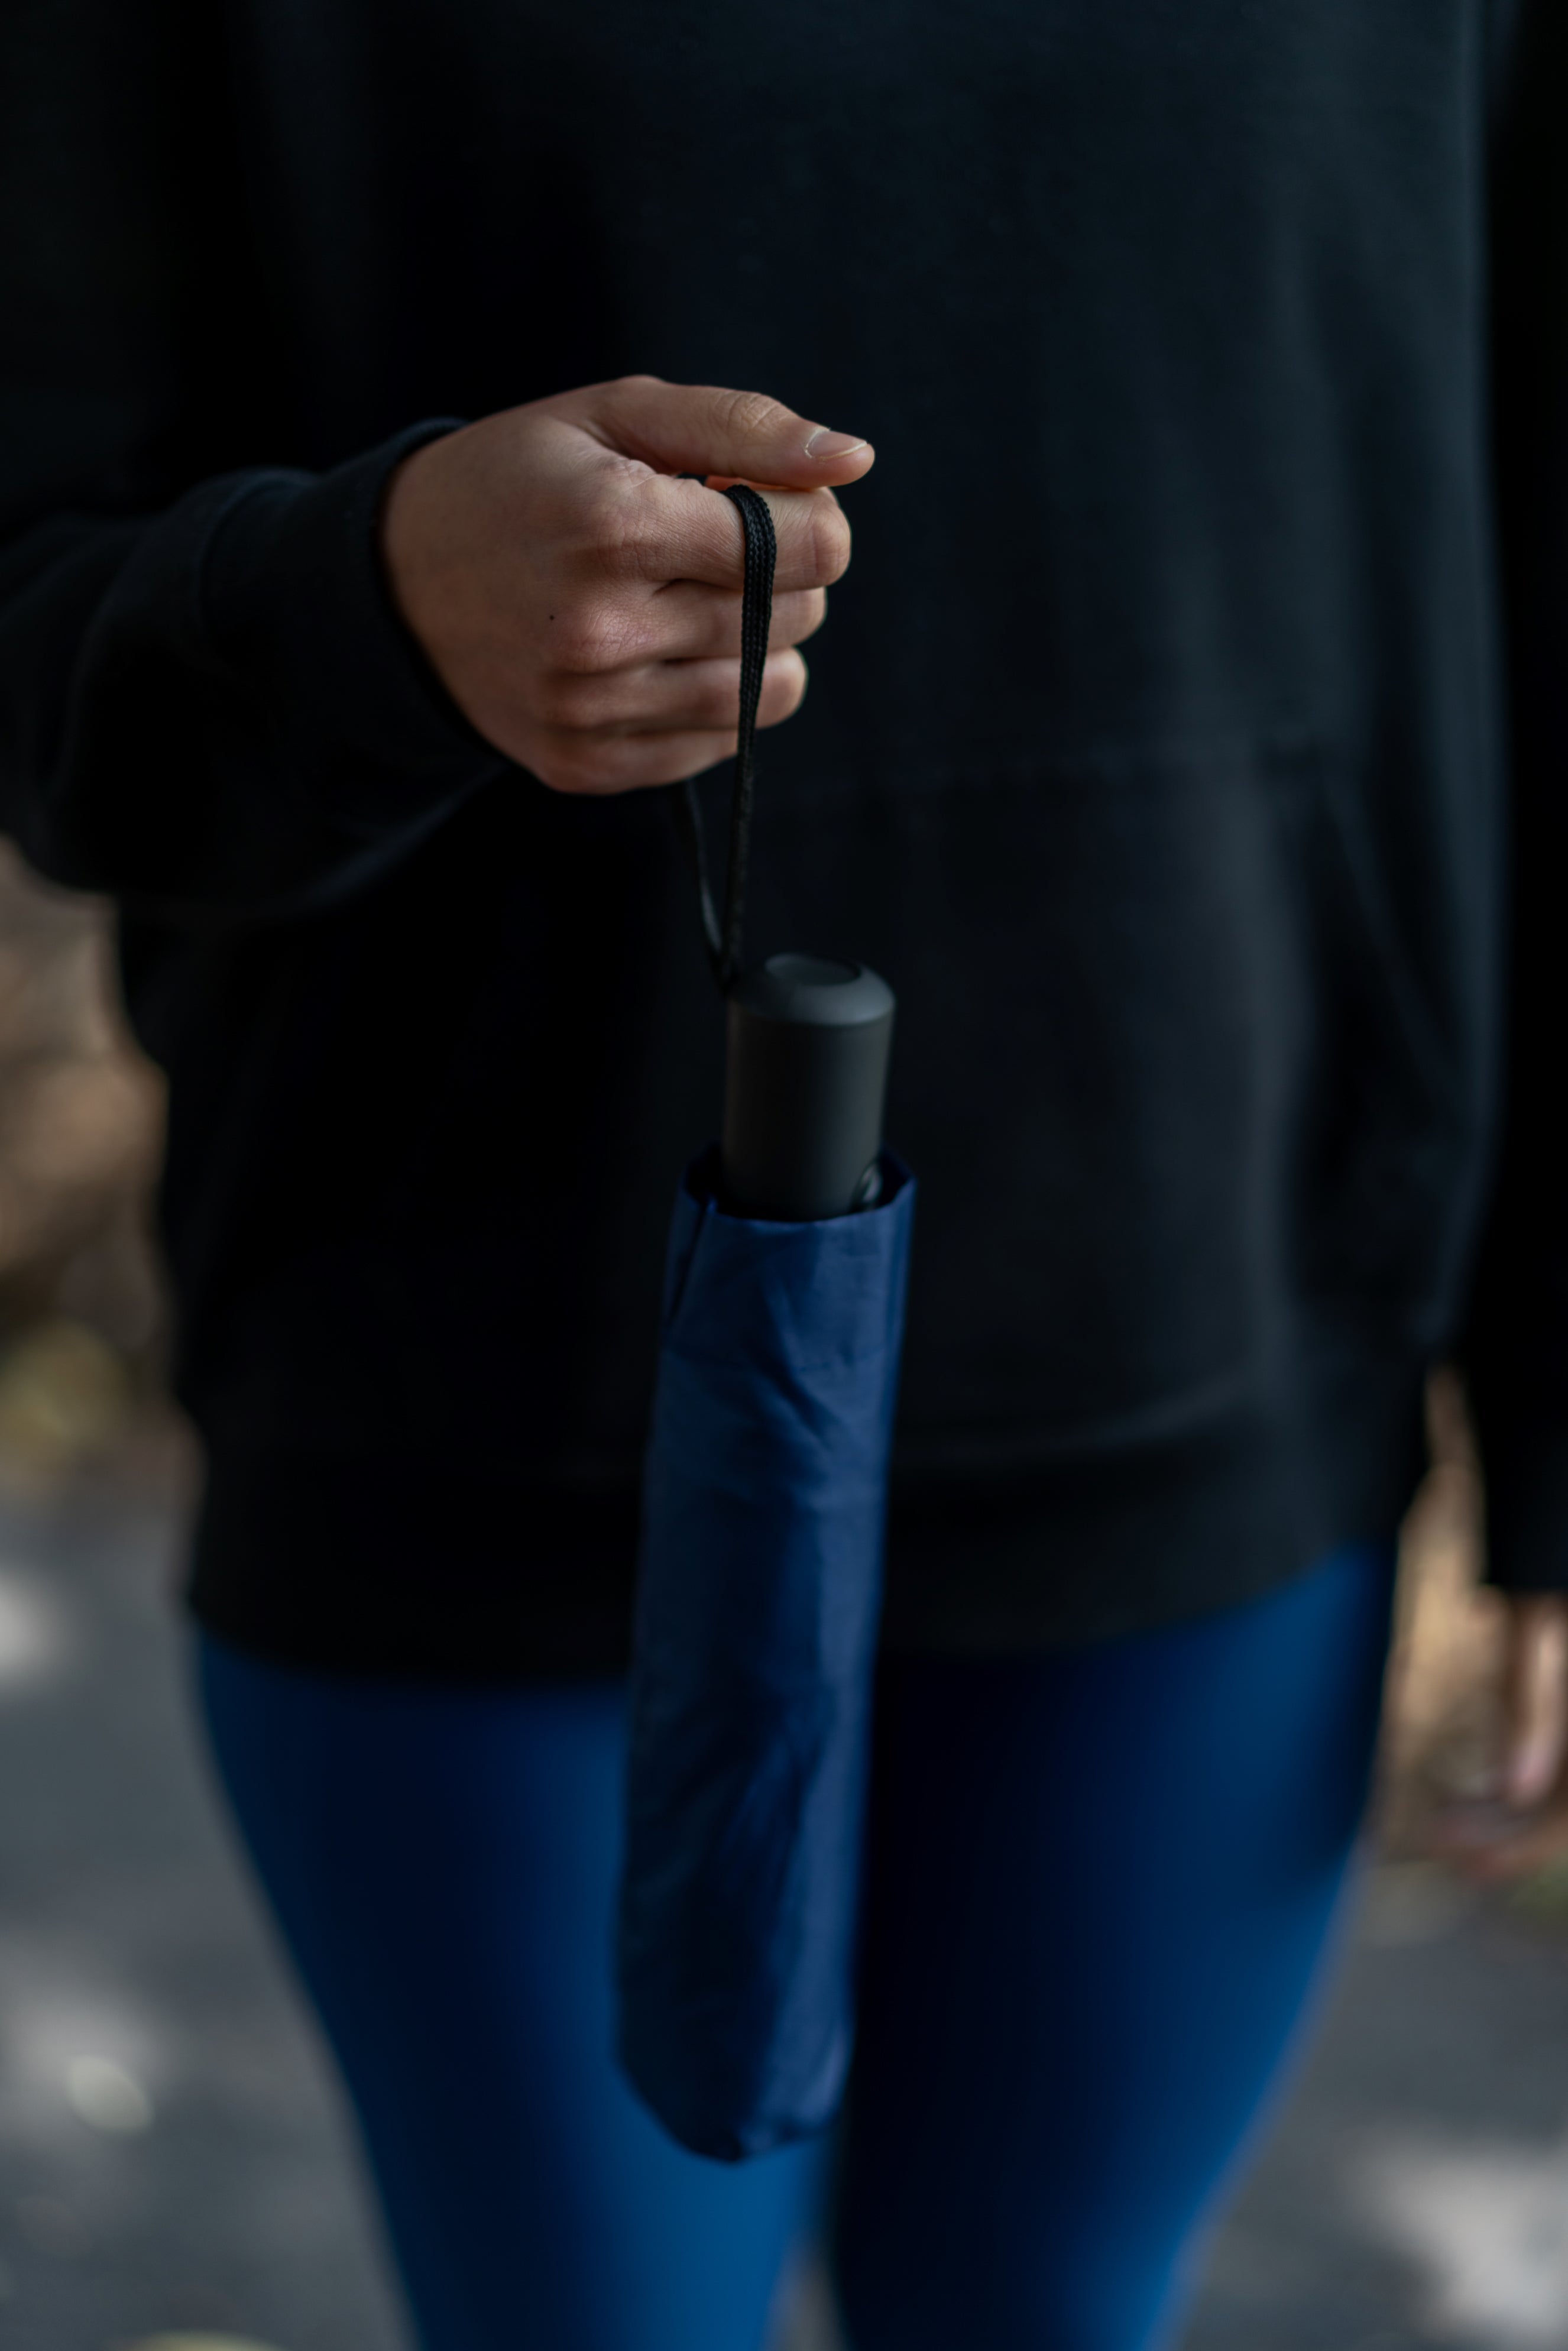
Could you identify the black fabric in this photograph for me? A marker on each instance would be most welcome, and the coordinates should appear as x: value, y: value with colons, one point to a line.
x: 1155, y: 751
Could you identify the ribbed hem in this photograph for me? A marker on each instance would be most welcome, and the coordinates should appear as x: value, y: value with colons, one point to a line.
x: 1119, y: 1539
x: 362, y: 1564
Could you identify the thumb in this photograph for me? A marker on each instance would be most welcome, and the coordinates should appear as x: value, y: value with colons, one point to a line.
x: 1532, y: 1697
x: 699, y: 428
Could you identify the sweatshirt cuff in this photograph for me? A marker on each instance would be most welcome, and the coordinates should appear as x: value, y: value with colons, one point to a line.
x: 296, y: 604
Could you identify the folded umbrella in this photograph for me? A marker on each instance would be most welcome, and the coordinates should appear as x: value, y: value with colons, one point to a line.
x: 763, y: 1510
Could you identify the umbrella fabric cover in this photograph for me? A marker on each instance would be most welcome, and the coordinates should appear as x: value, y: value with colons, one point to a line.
x: 764, y: 1502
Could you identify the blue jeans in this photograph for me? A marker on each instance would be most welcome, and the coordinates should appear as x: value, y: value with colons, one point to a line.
x: 1100, y: 1883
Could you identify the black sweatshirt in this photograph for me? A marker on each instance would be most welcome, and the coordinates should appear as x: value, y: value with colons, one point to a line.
x: 1155, y: 751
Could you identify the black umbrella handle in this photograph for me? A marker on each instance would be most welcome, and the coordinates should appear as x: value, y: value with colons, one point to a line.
x: 761, y: 552
x: 809, y: 1039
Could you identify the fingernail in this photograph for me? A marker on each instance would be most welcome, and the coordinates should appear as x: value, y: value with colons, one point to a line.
x: 824, y: 445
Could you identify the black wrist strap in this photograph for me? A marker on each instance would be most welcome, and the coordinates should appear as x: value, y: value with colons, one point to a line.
x: 755, y: 619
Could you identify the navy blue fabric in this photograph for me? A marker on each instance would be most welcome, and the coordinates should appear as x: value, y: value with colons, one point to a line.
x: 442, y: 1861
x: 1100, y: 1885
x: 759, y: 1607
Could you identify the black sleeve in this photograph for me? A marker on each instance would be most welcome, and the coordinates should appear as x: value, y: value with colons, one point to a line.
x: 1515, y: 1351
x: 208, y: 704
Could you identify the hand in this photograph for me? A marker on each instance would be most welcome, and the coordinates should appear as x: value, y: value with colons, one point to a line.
x: 581, y: 604
x: 1525, y: 1823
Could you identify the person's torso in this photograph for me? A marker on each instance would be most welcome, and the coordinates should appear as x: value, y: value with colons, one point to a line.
x: 1149, y: 750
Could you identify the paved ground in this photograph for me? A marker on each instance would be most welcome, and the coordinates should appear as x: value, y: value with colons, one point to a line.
x: 172, y: 2163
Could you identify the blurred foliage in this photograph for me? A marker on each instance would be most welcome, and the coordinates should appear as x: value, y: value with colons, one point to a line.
x: 81, y: 1113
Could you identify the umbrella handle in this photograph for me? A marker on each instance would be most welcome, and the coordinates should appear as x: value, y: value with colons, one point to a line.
x: 809, y: 1039
x: 806, y: 1074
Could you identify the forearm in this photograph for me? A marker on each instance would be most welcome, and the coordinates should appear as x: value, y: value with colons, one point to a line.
x: 215, y: 710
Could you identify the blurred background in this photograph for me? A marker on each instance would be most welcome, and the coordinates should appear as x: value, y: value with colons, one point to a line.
x: 176, y: 2173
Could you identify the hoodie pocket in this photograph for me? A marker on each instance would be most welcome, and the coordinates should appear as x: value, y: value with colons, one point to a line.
x: 1172, y: 1093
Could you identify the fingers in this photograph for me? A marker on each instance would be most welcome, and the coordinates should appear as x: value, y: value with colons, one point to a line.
x: 575, y: 762
x: 683, y: 696
x: 698, y: 623
x: 580, y: 604
x: 665, y: 531
x: 1526, y: 1824
x: 695, y: 428
x: 1535, y: 1695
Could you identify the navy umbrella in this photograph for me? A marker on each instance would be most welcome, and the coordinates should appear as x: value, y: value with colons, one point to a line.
x: 763, y: 1509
